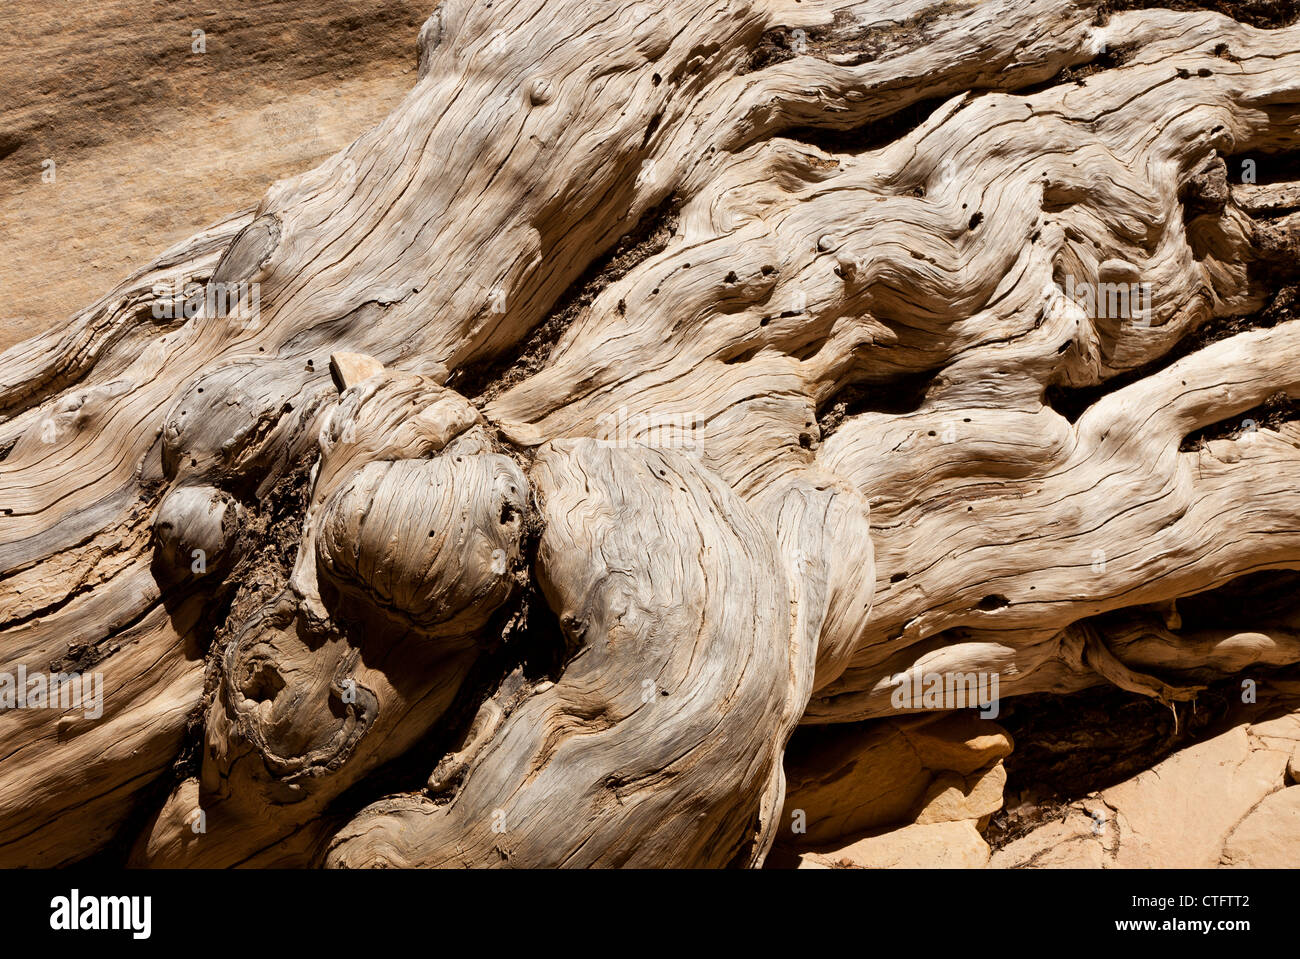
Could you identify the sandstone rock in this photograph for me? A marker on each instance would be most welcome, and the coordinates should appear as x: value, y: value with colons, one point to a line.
x: 1220, y: 801
x: 926, y: 769
x: 1269, y: 836
x: 939, y: 845
x: 153, y: 132
x: 1178, y: 814
x: 954, y: 798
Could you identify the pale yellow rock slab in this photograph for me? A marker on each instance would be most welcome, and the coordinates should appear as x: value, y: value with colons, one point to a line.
x: 1269, y: 836
x: 1178, y: 814
x: 1219, y: 802
x: 945, y: 845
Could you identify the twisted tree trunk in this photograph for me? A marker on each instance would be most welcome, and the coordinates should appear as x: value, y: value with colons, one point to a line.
x: 523, y: 476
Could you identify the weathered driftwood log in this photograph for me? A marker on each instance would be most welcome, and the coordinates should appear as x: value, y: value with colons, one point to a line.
x: 843, y: 335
